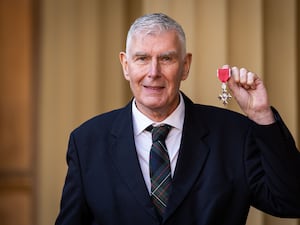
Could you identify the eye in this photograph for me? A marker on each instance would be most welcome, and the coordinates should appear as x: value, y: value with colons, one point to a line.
x: 166, y: 58
x: 141, y: 58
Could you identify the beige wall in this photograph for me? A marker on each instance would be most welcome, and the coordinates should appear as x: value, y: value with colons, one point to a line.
x: 17, y: 177
x: 81, y: 75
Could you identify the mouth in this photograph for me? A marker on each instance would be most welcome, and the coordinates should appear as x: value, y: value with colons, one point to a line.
x: 154, y: 88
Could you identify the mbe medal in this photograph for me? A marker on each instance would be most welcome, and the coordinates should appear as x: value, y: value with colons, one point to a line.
x: 224, y: 75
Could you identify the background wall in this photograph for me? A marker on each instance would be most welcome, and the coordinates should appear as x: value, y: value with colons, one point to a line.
x: 59, y: 66
x: 17, y: 110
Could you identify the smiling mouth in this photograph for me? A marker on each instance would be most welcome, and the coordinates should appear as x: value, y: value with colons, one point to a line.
x: 154, y: 87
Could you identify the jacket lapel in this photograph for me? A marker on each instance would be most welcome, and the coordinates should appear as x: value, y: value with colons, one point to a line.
x: 191, y: 159
x: 123, y: 153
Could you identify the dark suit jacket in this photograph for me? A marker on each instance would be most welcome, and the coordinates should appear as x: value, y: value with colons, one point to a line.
x: 226, y: 163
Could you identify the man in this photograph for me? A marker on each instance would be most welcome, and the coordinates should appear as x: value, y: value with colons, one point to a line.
x: 212, y: 166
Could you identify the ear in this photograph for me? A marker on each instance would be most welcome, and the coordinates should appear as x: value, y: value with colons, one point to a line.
x: 186, y: 66
x: 124, y: 63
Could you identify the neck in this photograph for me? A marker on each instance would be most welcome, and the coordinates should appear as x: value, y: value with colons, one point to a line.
x: 158, y: 114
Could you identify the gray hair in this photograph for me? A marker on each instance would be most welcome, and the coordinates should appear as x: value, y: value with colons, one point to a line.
x: 153, y: 23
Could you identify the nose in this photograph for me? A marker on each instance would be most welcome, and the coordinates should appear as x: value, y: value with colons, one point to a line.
x: 154, y: 68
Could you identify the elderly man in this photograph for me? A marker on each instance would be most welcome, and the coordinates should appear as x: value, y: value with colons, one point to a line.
x: 163, y: 159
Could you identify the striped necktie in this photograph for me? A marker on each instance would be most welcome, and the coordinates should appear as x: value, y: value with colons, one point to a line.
x: 160, y: 170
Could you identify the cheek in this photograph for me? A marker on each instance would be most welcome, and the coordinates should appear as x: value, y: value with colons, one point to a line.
x: 133, y: 80
x: 176, y: 76
x: 135, y: 74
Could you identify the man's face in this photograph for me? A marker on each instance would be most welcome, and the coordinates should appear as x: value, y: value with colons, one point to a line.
x: 155, y: 66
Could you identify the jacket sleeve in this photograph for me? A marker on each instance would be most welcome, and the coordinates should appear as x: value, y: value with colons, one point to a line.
x: 73, y: 208
x: 272, y: 163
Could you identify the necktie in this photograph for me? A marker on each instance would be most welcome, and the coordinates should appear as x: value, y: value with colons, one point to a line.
x: 160, y: 170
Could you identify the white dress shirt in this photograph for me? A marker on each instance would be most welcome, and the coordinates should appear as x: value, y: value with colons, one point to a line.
x: 143, y: 138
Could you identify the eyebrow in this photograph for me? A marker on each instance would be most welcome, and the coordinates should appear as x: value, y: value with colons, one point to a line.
x: 168, y: 53
x: 140, y: 54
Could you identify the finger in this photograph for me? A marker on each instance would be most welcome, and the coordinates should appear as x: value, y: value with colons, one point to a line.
x: 233, y: 82
x: 226, y: 66
x: 251, y: 80
x: 243, y: 76
x: 235, y: 73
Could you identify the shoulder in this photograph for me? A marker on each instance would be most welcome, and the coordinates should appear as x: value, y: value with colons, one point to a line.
x: 217, y: 112
x: 214, y: 117
x: 103, y: 123
x: 210, y: 111
x: 221, y: 116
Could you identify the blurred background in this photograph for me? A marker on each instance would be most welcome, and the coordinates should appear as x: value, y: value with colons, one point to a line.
x: 59, y: 66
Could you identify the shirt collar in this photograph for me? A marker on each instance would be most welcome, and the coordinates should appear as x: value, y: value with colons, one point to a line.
x: 141, y: 121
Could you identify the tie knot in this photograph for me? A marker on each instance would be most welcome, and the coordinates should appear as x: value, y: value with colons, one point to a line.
x: 160, y: 132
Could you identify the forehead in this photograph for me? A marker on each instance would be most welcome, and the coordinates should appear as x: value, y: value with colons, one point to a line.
x: 155, y: 41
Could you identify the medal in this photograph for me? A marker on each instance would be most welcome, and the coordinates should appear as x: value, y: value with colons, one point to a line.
x: 224, y: 75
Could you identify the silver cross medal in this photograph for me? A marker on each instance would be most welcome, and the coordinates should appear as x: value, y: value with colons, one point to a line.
x: 224, y: 75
